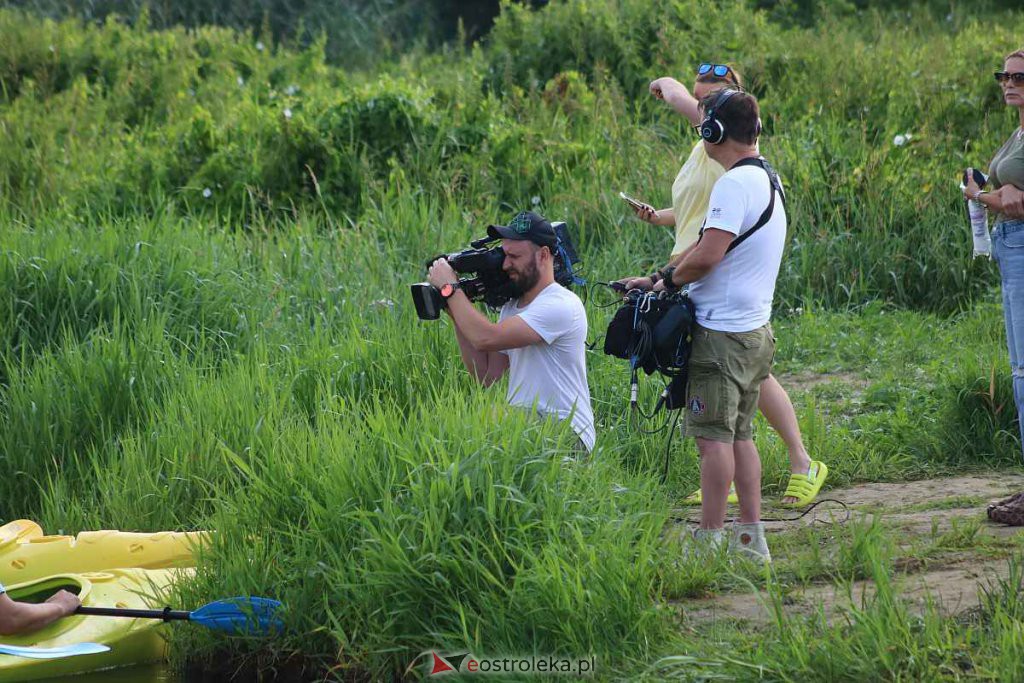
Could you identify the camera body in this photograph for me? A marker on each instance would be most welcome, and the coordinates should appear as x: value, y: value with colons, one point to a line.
x: 486, y: 279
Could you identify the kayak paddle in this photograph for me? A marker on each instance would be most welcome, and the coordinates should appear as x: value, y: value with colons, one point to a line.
x: 253, y: 616
x: 53, y: 652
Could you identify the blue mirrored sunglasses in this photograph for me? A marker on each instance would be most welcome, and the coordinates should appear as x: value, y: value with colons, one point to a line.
x: 719, y: 70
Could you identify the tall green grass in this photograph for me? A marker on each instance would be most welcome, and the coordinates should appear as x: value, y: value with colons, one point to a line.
x: 554, y: 106
x: 247, y: 383
x: 246, y: 359
x: 387, y: 539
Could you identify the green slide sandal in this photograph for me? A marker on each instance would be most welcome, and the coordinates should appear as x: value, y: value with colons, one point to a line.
x: 805, y: 487
x: 696, y: 498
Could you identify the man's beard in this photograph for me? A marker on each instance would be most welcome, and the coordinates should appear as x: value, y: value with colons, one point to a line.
x: 527, y: 280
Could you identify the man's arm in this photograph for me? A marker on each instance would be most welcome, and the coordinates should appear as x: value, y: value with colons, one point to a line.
x: 21, y: 617
x: 703, y: 257
x: 486, y: 367
x: 678, y: 258
x: 482, y: 334
x: 480, y: 340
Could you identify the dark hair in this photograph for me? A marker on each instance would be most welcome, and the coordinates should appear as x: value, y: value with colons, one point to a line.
x: 732, y: 77
x: 740, y: 115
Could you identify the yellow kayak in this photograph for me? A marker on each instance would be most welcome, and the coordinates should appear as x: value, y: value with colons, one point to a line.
x: 131, y: 641
x: 26, y: 554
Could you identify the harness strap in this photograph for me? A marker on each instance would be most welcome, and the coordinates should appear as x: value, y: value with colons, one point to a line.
x: 773, y: 186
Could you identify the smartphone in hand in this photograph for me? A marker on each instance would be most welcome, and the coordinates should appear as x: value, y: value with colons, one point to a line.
x: 639, y: 206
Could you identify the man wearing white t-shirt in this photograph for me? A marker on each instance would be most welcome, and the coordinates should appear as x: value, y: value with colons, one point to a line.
x: 731, y: 272
x: 540, y: 337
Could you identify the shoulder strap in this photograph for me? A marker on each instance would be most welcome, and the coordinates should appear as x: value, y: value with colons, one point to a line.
x: 773, y: 186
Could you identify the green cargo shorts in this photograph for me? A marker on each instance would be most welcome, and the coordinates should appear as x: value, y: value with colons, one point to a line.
x: 726, y: 371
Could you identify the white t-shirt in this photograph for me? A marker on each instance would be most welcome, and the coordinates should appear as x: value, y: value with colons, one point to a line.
x: 554, y: 372
x: 736, y: 296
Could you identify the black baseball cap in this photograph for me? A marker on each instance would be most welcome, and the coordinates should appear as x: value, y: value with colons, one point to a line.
x: 526, y: 225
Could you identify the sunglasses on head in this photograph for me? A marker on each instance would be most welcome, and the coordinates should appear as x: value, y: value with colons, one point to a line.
x: 1004, y: 77
x: 720, y: 70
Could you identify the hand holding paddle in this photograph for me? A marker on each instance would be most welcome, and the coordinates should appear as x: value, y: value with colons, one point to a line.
x: 252, y: 616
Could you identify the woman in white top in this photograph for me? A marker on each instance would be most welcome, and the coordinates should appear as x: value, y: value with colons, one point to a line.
x: 690, y: 194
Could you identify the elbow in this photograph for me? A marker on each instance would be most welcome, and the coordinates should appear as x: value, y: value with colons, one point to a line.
x: 697, y: 270
x: 488, y: 343
x: 9, y: 625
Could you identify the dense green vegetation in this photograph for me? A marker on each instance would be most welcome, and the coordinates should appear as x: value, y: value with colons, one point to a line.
x: 112, y: 120
x: 206, y: 242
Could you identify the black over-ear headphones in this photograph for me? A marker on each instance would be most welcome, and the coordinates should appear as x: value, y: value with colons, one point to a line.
x: 711, y: 129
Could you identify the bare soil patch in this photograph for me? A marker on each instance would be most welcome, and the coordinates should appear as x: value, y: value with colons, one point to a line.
x: 951, y: 583
x: 806, y: 380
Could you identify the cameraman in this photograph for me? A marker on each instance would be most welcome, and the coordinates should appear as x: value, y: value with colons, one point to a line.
x: 539, y: 337
x: 733, y: 345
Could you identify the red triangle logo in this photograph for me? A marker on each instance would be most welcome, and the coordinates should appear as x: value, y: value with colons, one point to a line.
x: 440, y: 666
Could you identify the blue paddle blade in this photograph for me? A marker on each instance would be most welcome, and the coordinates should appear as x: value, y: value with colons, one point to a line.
x: 252, y: 616
x: 53, y: 652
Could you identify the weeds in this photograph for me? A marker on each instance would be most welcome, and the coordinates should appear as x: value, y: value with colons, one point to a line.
x: 205, y: 250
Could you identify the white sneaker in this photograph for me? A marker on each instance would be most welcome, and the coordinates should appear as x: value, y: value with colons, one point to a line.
x: 704, y: 542
x: 749, y: 540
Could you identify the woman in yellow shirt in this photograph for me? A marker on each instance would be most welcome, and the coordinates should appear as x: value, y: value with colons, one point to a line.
x: 691, y: 192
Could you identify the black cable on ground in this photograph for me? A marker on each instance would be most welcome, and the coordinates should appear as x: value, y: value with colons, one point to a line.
x: 793, y: 518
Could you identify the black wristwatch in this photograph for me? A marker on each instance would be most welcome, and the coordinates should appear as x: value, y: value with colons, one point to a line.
x: 448, y: 289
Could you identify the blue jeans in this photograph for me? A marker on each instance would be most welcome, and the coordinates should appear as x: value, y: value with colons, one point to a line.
x: 1008, y: 251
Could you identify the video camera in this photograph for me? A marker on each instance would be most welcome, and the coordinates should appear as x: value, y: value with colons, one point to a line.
x: 489, y: 282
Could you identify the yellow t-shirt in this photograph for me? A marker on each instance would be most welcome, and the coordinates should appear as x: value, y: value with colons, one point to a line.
x: 691, y: 193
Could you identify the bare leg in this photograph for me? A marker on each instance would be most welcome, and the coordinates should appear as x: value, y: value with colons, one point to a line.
x: 717, y: 468
x: 748, y: 481
x: 776, y: 407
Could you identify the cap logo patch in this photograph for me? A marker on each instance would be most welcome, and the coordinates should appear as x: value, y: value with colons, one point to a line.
x: 521, y: 223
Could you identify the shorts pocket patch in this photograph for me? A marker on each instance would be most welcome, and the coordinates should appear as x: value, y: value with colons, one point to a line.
x: 704, y: 400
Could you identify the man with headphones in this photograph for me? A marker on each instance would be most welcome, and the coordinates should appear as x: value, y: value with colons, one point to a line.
x: 731, y: 272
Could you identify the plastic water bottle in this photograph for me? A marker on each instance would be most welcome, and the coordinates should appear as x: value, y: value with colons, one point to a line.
x: 979, y: 228
x: 978, y: 214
